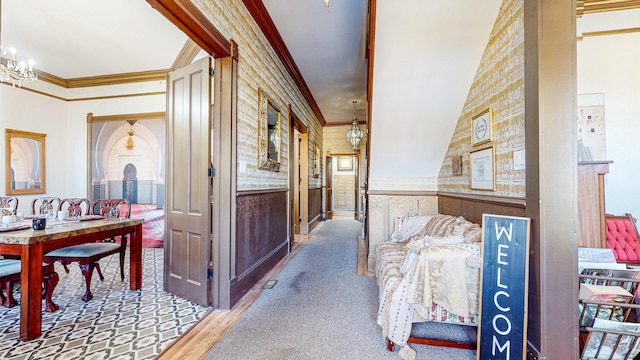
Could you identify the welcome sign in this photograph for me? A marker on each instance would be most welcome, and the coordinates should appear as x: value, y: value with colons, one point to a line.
x: 505, y: 275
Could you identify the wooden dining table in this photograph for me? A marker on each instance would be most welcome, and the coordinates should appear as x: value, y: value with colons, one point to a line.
x: 31, y: 244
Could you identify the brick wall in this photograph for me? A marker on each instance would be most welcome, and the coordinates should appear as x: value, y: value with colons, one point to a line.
x: 499, y: 84
x: 260, y: 67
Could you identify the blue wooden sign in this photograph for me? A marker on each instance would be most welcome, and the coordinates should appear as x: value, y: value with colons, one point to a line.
x: 505, y: 274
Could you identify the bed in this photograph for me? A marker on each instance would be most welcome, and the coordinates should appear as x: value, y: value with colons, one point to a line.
x: 428, y: 270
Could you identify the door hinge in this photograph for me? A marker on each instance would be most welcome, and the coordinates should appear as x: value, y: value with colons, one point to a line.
x: 211, y: 72
x: 210, y: 270
x: 212, y: 172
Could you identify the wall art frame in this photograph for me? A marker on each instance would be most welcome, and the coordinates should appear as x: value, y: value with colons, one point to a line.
x: 483, y: 170
x: 269, y: 133
x: 317, y: 156
x: 345, y: 163
x: 456, y: 165
x: 25, y: 162
x: 482, y: 127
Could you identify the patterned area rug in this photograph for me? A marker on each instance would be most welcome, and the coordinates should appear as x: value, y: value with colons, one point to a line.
x: 116, y: 324
x: 153, y: 226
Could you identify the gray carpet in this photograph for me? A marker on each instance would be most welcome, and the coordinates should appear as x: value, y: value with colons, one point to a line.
x: 320, y: 309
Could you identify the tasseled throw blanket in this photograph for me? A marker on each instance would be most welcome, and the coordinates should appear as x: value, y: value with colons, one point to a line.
x: 437, y: 276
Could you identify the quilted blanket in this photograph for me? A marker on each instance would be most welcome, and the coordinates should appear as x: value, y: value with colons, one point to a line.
x: 428, y: 273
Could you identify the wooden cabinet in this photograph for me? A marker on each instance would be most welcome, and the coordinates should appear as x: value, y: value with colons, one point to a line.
x: 591, y: 205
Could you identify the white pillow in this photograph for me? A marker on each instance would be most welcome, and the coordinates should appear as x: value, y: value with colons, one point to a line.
x: 407, y: 226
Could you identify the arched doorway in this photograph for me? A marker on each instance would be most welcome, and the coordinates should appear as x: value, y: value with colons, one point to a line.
x: 130, y: 183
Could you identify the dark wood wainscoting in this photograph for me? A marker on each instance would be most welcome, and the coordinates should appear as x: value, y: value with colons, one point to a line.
x: 261, y: 237
x: 315, y: 207
x: 471, y: 207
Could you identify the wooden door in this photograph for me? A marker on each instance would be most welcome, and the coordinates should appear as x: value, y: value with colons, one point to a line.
x: 329, y: 180
x: 188, y: 209
x: 344, y: 198
x: 295, y: 168
x: 356, y: 189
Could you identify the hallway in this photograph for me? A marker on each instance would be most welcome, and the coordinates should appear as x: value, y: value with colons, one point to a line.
x: 321, y: 309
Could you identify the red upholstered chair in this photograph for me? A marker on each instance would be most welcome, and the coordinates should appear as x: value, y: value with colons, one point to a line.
x: 88, y: 255
x: 623, y: 238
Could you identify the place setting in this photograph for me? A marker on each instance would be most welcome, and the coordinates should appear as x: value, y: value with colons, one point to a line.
x: 11, y: 221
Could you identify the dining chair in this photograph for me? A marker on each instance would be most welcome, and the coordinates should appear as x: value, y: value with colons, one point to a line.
x: 9, y: 202
x: 40, y: 205
x: 10, y: 272
x: 76, y: 206
x: 87, y: 255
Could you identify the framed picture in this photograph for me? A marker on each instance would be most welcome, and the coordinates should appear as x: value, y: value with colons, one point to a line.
x: 345, y: 163
x: 456, y: 165
x: 317, y: 156
x: 482, y: 127
x: 483, y: 169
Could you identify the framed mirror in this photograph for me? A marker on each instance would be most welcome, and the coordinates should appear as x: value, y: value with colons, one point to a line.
x: 317, y: 156
x: 24, y: 162
x: 269, y: 134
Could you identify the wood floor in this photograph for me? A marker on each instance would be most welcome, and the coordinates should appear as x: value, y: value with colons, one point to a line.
x: 363, y: 265
x: 197, y: 342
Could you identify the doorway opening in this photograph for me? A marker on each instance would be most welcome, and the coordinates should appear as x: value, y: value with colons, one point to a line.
x: 299, y: 177
x: 344, y: 198
x: 126, y: 160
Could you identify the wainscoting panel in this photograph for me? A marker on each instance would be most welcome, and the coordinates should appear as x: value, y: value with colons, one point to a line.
x: 384, y: 207
x: 315, y: 207
x: 261, y: 237
x: 471, y: 207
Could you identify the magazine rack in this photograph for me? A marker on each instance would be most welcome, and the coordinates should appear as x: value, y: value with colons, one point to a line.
x: 609, y: 343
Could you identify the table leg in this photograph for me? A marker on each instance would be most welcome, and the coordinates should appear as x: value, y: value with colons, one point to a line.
x: 135, y: 259
x: 31, y: 292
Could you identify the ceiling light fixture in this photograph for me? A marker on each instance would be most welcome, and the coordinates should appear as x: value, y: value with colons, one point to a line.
x: 355, y: 134
x: 129, y: 145
x: 326, y: 3
x: 12, y: 70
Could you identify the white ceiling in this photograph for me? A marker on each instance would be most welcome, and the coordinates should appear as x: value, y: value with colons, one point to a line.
x: 328, y: 45
x: 72, y: 39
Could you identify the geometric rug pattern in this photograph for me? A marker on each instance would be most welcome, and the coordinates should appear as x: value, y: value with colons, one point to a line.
x: 117, y: 323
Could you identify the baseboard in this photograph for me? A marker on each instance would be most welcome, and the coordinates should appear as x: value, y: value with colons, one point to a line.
x: 533, y: 353
x: 363, y: 267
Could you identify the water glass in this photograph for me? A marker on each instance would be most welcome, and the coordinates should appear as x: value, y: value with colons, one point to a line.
x: 51, y: 215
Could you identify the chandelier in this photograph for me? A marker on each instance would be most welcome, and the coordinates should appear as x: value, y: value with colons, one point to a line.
x: 355, y: 134
x: 12, y: 70
x: 129, y: 145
